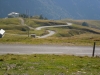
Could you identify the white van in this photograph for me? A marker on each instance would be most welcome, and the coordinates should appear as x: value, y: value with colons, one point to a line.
x: 2, y: 33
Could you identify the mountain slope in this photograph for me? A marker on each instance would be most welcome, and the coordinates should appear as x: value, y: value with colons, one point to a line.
x: 82, y: 9
x: 53, y: 9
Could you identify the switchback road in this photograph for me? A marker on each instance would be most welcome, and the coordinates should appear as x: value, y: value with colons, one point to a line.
x: 39, y: 28
x: 50, y: 31
x: 48, y: 49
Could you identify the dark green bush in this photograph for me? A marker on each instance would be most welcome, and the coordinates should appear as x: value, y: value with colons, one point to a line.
x: 1, y: 59
x: 85, y: 24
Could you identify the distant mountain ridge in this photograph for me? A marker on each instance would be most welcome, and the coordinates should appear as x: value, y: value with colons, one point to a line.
x: 53, y: 9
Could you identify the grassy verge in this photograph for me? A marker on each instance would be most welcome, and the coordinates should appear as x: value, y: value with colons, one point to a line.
x: 75, y: 40
x: 48, y: 65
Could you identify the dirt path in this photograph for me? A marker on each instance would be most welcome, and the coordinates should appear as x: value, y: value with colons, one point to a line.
x: 23, y: 23
x: 50, y: 34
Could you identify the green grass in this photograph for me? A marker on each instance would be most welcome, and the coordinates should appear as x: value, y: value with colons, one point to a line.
x: 12, y: 27
x: 12, y: 24
x: 39, y: 32
x: 10, y: 21
x: 21, y: 33
x: 38, y: 64
x: 37, y: 22
x: 84, y: 39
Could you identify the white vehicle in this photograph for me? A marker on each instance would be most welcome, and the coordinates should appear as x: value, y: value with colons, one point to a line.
x: 2, y: 33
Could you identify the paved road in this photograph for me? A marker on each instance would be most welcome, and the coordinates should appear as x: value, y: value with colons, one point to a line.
x: 50, y: 31
x: 47, y: 35
x: 39, y: 28
x: 48, y: 49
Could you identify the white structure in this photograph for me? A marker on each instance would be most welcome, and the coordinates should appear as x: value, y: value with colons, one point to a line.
x: 2, y: 33
x: 13, y: 15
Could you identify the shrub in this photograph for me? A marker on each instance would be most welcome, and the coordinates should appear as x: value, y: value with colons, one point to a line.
x: 1, y: 59
x: 85, y: 24
x: 24, y: 29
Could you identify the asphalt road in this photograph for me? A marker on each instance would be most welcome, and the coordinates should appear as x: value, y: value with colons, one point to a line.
x: 48, y: 49
x: 47, y: 35
x: 50, y: 31
x: 39, y: 28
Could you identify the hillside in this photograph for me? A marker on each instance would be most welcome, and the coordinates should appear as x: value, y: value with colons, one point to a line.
x: 71, y: 35
x: 53, y: 9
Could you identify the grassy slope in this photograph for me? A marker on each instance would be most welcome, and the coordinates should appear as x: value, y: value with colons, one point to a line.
x: 37, y: 22
x: 12, y: 25
x: 48, y: 65
x: 72, y: 35
x: 9, y: 21
x: 92, y: 23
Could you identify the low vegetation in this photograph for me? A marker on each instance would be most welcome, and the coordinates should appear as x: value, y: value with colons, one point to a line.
x: 38, y: 64
x: 84, y: 39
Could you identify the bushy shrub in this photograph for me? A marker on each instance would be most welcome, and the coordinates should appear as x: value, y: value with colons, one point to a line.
x: 85, y: 24
x: 1, y: 59
x: 24, y: 29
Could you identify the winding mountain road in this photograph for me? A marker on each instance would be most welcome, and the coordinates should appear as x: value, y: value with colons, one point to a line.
x: 47, y: 35
x: 50, y: 31
x: 48, y: 49
x: 39, y: 28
